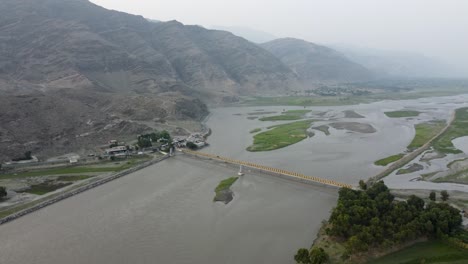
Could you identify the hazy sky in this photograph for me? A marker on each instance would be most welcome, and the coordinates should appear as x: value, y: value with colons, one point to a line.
x: 436, y: 28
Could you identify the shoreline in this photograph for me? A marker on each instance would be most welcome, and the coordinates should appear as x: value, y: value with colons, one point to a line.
x: 73, y: 192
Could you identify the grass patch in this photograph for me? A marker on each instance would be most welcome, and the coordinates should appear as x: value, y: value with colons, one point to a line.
x: 226, y: 184
x: 425, y: 252
x: 424, y: 132
x: 255, y: 130
x: 296, y: 112
x: 287, y: 116
x: 413, y: 168
x: 280, y: 118
x: 45, y: 187
x: 73, y: 178
x: 458, y: 128
x: 280, y: 136
x: 402, y: 113
x: 223, y: 191
x: 75, y: 170
x: 457, y: 177
x: 388, y: 160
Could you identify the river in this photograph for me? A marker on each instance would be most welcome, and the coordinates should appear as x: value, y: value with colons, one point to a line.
x: 165, y: 213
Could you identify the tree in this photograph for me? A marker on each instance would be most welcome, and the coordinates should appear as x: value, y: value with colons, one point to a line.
x: 3, y: 192
x: 432, y: 196
x: 362, y: 185
x: 444, y: 195
x: 416, y: 202
x: 318, y: 256
x: 28, y: 155
x: 302, y: 256
x: 191, y: 145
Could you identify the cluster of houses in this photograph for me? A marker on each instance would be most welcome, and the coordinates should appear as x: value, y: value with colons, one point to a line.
x: 196, y: 138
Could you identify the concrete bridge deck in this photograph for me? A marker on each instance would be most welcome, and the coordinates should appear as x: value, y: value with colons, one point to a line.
x: 282, y: 172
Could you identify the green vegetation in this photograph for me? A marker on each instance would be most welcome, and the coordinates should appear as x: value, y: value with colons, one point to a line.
x: 425, y: 132
x: 223, y: 191
x: 226, y: 184
x: 388, y: 160
x: 73, y: 178
x: 287, y: 116
x: 191, y: 145
x: 147, y: 140
x: 45, y: 187
x: 76, y: 170
x: 372, y: 219
x: 316, y: 256
x: 253, y: 131
x: 280, y: 136
x: 27, y: 156
x: 3, y: 192
x: 402, y: 113
x: 457, y: 177
x: 458, y: 128
x: 412, y: 168
x: 433, y: 251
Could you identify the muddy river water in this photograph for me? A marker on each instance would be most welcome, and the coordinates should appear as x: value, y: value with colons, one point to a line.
x: 165, y: 213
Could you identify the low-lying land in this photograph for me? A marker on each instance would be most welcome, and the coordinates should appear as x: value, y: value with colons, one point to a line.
x: 458, y: 128
x: 280, y: 136
x: 354, y: 126
x: 424, y: 132
x: 352, y: 114
x: 412, y: 168
x: 388, y: 160
x: 402, y: 113
x: 286, y: 116
x: 223, y: 190
x: 433, y: 251
x: 253, y: 131
x: 324, y: 128
x: 23, y: 182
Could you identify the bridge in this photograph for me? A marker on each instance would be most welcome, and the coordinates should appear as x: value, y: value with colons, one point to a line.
x: 276, y: 171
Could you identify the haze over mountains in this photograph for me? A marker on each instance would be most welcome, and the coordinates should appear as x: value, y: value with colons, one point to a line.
x: 312, y: 62
x: 73, y: 73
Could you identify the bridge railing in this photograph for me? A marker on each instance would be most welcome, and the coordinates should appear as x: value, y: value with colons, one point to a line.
x: 270, y: 169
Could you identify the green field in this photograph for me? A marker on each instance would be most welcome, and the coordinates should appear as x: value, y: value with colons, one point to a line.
x: 424, y: 132
x: 75, y: 170
x: 458, y: 128
x: 402, y: 113
x: 73, y: 178
x: 388, y: 160
x: 45, y: 187
x: 287, y: 116
x: 280, y: 136
x: 426, y: 252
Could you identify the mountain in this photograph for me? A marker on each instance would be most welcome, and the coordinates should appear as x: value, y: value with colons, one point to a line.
x: 398, y: 64
x: 73, y: 74
x: 250, y: 34
x: 316, y: 63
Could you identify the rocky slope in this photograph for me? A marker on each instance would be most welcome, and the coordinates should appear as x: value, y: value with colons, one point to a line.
x: 314, y: 63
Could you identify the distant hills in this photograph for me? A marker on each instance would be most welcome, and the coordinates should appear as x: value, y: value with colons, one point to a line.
x: 398, y: 64
x: 256, y: 36
x: 312, y: 62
